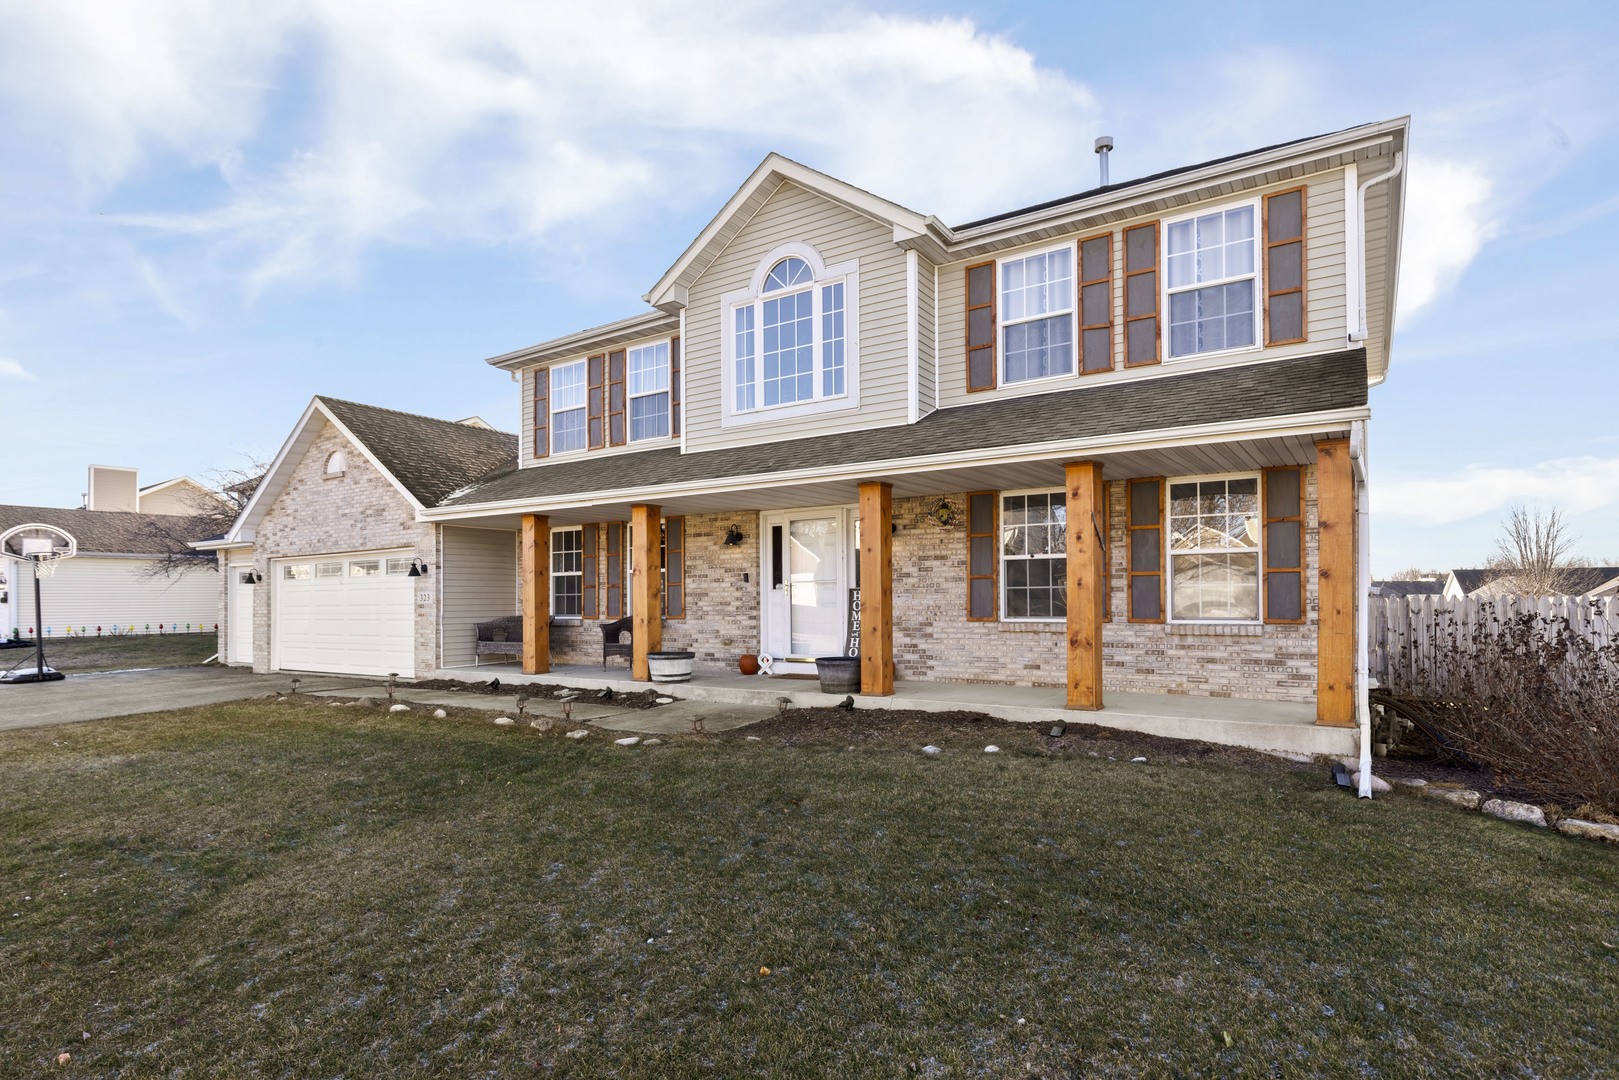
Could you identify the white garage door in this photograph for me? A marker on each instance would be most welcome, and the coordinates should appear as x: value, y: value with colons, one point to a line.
x: 353, y: 614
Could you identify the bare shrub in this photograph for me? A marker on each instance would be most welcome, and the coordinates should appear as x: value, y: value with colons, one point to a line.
x: 1525, y: 695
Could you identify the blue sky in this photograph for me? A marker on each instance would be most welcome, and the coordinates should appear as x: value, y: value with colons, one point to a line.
x: 210, y: 213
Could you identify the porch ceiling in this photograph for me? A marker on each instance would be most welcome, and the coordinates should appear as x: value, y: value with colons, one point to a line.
x: 1200, y: 459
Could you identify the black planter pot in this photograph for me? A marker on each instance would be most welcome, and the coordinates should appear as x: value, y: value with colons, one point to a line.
x: 839, y: 674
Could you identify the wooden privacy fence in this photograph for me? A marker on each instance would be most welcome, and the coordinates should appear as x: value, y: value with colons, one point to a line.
x: 1404, y: 630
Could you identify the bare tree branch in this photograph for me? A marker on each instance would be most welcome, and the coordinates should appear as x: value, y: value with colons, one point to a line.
x: 211, y: 514
x: 1534, y: 554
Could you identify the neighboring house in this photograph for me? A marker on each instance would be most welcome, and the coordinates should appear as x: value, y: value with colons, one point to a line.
x: 117, y: 488
x: 316, y: 573
x: 1111, y: 442
x: 115, y: 581
x: 1420, y: 587
x: 1583, y: 581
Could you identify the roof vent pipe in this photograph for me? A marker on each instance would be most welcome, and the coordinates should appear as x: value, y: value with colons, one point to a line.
x: 1103, y: 145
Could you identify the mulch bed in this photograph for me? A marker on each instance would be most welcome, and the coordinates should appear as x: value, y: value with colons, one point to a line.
x: 641, y: 699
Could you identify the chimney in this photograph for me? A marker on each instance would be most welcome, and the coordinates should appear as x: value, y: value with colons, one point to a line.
x: 1103, y: 145
x: 113, y: 487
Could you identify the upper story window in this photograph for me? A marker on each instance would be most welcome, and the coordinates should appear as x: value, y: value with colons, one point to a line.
x: 789, y: 341
x: 1210, y: 277
x: 336, y: 463
x: 1214, y: 548
x: 649, y: 392
x: 1037, y: 315
x: 568, y: 407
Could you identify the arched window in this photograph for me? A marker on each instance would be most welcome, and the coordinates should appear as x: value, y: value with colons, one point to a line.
x: 789, y: 335
x: 336, y: 463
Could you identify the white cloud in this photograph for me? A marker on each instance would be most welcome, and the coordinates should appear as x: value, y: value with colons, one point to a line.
x: 10, y: 369
x: 1576, y: 485
x: 1447, y: 222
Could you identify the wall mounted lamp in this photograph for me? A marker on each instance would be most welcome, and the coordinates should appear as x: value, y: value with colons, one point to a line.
x: 418, y: 568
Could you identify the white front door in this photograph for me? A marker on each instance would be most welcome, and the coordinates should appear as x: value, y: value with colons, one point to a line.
x: 351, y: 614
x: 239, y: 632
x: 805, y: 579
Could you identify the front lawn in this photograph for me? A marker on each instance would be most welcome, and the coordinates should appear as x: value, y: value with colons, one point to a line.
x: 118, y: 652
x: 298, y: 890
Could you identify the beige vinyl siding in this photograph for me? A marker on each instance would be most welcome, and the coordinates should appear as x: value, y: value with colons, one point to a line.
x: 840, y: 235
x: 1324, y: 297
x: 525, y: 433
x: 106, y: 591
x: 1377, y: 240
x: 183, y: 499
x: 479, y: 582
x: 927, y: 346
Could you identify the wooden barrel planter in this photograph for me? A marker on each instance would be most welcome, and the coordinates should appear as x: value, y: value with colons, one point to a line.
x: 839, y: 674
x: 674, y: 666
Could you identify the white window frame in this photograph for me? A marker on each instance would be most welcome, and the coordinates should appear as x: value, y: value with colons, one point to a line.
x: 1001, y: 557
x: 1166, y: 292
x: 629, y: 398
x: 848, y: 273
x: 551, y: 417
x: 1073, y: 317
x: 1169, y: 551
x: 551, y: 571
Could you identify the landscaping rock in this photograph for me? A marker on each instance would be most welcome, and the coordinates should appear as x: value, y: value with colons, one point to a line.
x: 439, y: 714
x: 1589, y: 830
x: 1411, y: 786
x: 281, y: 699
x: 578, y: 734
x: 1378, y: 783
x: 542, y: 723
x: 399, y: 708
x: 992, y: 749
x: 1508, y: 810
x: 630, y: 741
x: 329, y: 704
x: 931, y: 750
x: 666, y: 701
x: 653, y: 742
x: 1465, y: 798
x: 503, y: 720
x: 1138, y: 759
x: 368, y: 702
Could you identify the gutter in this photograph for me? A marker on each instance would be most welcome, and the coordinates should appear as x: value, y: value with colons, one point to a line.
x: 1360, y: 333
x: 1363, y: 585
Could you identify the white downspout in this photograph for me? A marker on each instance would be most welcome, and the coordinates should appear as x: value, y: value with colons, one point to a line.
x: 1363, y: 586
x: 1360, y: 334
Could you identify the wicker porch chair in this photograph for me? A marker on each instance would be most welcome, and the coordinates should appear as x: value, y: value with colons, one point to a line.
x: 503, y: 636
x: 611, y: 645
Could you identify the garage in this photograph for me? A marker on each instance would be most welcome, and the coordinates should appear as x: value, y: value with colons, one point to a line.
x: 349, y: 614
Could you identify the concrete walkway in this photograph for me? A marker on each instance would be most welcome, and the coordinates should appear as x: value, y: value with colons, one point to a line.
x: 101, y: 695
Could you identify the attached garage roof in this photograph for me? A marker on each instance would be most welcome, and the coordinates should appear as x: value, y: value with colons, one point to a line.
x: 109, y: 532
x: 431, y: 458
x: 1274, y: 388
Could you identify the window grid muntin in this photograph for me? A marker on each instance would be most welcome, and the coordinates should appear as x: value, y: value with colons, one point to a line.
x: 567, y: 572
x: 766, y: 368
x: 788, y: 348
x: 1212, y: 280
x: 1214, y: 534
x: 1033, y: 555
x: 1036, y: 314
x: 567, y: 405
x: 648, y: 385
x: 832, y: 339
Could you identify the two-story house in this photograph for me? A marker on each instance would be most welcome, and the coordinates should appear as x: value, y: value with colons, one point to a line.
x: 1111, y: 443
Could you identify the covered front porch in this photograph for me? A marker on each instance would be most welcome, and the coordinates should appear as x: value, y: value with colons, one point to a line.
x: 1285, y: 727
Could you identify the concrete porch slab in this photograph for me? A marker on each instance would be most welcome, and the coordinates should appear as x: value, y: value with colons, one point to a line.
x: 1258, y: 725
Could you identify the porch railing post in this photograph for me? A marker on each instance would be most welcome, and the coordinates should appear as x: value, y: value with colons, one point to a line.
x: 646, y: 588
x: 1335, y: 633
x: 876, y: 588
x: 1087, y: 583
x: 536, y: 594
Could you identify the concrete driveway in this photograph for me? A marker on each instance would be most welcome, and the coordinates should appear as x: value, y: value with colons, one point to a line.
x: 127, y: 693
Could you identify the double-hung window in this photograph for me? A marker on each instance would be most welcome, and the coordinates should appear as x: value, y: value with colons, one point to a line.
x: 649, y: 392
x: 1037, y: 315
x: 1211, y: 281
x: 1214, y: 530
x: 568, y: 407
x: 1034, y: 555
x: 567, y: 572
x: 790, y: 340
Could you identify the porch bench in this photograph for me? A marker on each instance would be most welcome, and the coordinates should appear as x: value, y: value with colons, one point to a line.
x: 502, y: 636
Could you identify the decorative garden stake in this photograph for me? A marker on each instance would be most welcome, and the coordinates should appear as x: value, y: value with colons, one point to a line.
x: 392, y: 675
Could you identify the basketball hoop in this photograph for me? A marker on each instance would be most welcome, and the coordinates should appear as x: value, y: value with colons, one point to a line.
x: 45, y: 546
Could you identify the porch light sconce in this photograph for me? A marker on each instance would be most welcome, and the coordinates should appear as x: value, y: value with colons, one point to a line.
x: 733, y: 537
x: 257, y: 577
x: 418, y: 568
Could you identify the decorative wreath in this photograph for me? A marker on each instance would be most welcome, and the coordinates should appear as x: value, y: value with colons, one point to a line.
x: 945, y: 512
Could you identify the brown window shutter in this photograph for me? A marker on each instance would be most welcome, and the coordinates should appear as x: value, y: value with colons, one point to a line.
x: 674, y: 388
x: 615, y: 398
x: 1141, y: 331
x: 1284, y: 267
x: 594, y: 370
x: 1096, y: 304
x: 983, y: 556
x: 1107, y: 550
x: 1284, y: 544
x: 542, y: 413
x: 981, y: 327
x: 615, y: 569
x: 588, y: 564
x: 674, y: 568
x: 1144, y: 510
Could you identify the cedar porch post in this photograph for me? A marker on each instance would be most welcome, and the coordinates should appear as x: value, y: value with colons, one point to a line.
x: 1087, y: 583
x: 536, y: 594
x: 646, y: 588
x: 1335, y: 632
x: 876, y: 588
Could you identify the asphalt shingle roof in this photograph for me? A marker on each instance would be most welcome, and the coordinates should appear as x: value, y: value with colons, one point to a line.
x: 1275, y: 388
x: 110, y: 532
x: 430, y: 457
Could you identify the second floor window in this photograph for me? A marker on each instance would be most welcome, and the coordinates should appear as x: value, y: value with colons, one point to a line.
x: 789, y: 343
x: 1037, y: 315
x: 649, y: 392
x: 1211, y: 282
x: 568, y: 407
